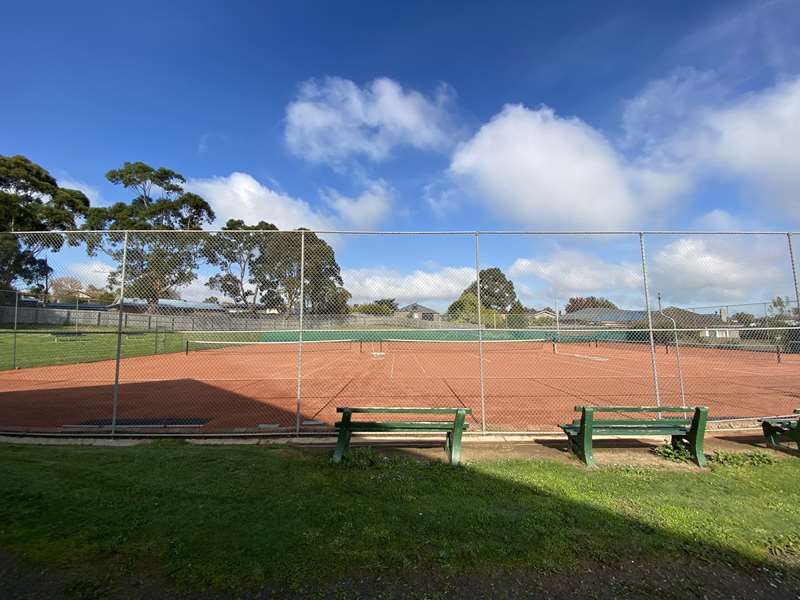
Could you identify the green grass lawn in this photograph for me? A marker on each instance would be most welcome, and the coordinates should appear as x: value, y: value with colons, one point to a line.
x: 242, y: 516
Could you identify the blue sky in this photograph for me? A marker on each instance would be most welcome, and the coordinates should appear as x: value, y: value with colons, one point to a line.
x: 445, y: 116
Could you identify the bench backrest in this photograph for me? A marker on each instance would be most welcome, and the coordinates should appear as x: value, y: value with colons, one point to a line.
x: 638, y: 409
x: 434, y: 410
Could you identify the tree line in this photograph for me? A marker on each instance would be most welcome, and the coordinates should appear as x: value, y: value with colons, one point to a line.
x: 258, y: 267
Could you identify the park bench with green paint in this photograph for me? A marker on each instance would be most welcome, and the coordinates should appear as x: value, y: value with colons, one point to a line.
x: 682, y: 430
x: 453, y: 428
x: 782, y: 427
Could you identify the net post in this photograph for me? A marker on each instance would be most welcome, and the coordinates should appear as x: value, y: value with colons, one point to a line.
x: 649, y: 320
x: 480, y: 330
x: 115, y: 400
x: 300, y: 330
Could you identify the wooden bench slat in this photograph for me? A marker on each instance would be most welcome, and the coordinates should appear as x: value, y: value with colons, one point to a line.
x: 636, y: 409
x: 642, y: 422
x: 434, y: 410
x: 401, y: 425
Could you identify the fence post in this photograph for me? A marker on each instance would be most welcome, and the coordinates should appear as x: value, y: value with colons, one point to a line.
x: 480, y: 329
x: 16, y: 317
x: 649, y: 321
x: 115, y: 400
x: 300, y: 330
x: 794, y: 272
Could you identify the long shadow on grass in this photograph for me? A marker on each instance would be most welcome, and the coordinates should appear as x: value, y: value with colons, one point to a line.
x: 255, y: 517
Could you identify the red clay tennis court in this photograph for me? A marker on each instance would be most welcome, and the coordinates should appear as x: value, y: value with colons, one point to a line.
x: 528, y: 385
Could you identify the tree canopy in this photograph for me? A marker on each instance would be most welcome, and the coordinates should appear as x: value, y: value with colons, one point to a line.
x: 32, y: 200
x: 580, y: 302
x: 497, y: 291
x: 157, y: 265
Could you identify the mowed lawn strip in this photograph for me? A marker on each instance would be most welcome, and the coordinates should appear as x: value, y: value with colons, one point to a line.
x: 248, y: 515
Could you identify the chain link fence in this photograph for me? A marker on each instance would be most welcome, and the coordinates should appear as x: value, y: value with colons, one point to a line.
x: 270, y: 331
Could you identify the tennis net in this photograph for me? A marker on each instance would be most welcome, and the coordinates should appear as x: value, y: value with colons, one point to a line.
x: 518, y: 346
x: 250, y: 347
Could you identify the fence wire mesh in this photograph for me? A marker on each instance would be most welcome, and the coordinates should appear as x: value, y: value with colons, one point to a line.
x: 271, y: 331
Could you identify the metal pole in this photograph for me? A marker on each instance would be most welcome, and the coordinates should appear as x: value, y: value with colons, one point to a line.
x: 480, y: 329
x: 300, y: 330
x: 76, y: 315
x: 115, y: 400
x: 558, y: 330
x: 794, y: 272
x: 677, y: 355
x: 649, y: 321
x: 14, y: 343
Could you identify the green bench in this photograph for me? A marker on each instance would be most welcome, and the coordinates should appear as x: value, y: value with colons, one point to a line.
x: 779, y: 427
x: 453, y: 428
x: 690, y: 431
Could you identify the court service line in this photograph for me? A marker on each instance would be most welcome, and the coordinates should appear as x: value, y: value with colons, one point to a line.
x: 421, y: 368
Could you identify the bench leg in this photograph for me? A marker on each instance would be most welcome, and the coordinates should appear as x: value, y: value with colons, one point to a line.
x: 343, y: 441
x: 771, y: 436
x: 696, y: 436
x: 453, y: 441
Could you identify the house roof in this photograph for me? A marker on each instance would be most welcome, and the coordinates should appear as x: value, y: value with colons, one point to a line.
x: 416, y: 307
x: 606, y: 315
x: 170, y: 303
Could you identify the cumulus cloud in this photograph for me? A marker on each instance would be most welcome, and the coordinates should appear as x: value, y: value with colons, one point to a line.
x: 93, y: 272
x: 91, y: 192
x: 366, y: 210
x: 443, y: 285
x: 691, y: 122
x: 333, y: 119
x: 536, y: 168
x: 241, y: 196
x: 687, y: 270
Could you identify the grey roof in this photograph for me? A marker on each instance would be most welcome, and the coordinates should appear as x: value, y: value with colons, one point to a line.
x: 415, y: 307
x: 170, y: 303
x: 606, y: 315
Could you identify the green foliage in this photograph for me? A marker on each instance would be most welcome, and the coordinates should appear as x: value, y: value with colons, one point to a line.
x: 744, y: 319
x: 517, y: 316
x: 580, y: 302
x: 157, y: 265
x: 784, y: 545
x: 751, y: 458
x: 465, y: 310
x: 242, y: 260
x: 679, y: 453
x: 31, y: 200
x: 497, y: 291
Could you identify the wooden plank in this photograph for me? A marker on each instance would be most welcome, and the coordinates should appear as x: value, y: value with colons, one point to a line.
x: 434, y: 410
x: 639, y: 409
x: 401, y: 426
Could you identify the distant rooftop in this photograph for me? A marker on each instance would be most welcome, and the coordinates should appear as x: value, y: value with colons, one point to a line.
x: 606, y: 315
x: 416, y: 307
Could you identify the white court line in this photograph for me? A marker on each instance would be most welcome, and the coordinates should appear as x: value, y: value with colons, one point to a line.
x: 585, y: 356
x: 326, y: 366
x: 391, y: 371
x: 421, y: 368
x: 737, y: 371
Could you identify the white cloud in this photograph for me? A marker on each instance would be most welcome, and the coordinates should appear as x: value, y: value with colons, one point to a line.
x: 334, y: 119
x: 572, y: 271
x: 687, y: 270
x: 539, y: 169
x: 91, y: 192
x: 720, y: 220
x: 692, y: 123
x: 366, y: 210
x: 442, y: 200
x: 94, y: 272
x: 445, y: 284
x: 241, y: 196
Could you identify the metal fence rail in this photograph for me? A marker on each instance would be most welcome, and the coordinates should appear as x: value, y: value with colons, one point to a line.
x: 270, y: 331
